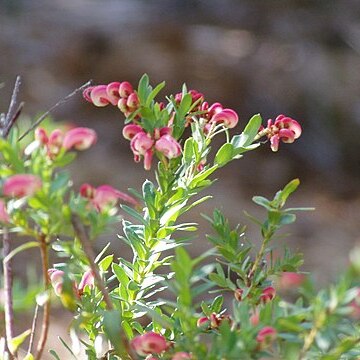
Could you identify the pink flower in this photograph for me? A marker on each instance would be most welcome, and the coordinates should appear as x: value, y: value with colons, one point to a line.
x: 56, y: 279
x: 4, y: 216
x: 148, y: 159
x: 289, y: 280
x: 133, y: 102
x: 98, y: 95
x: 79, y: 138
x: 41, y: 136
x: 21, y: 185
x: 284, y: 128
x: 86, y: 280
x: 112, y: 91
x: 181, y: 356
x: 149, y: 343
x: 267, y: 294
x: 55, y: 142
x: 168, y: 146
x: 125, y: 89
x: 141, y: 143
x: 266, y: 335
x: 227, y: 117
x: 129, y: 131
x: 202, y: 322
x: 104, y: 196
x: 87, y: 92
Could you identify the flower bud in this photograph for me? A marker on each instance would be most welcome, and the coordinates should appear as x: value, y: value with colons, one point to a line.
x: 87, y: 191
x: 79, y: 138
x: 87, y: 92
x: 99, y: 96
x: 129, y: 131
x: 112, y: 91
x: 149, y: 343
x: 266, y: 335
x: 202, y: 322
x: 132, y: 102
x: 123, y: 106
x: 41, y: 136
x: 21, y: 185
x: 56, y: 279
x: 125, y: 89
x: 267, y: 294
x: 86, y: 280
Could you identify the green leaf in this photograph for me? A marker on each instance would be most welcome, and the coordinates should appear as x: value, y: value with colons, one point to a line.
x: 67, y: 347
x: 286, y: 219
x: 282, y: 195
x: 224, y: 154
x: 54, y: 354
x: 16, y: 341
x: 188, y: 153
x: 260, y: 200
x: 112, y: 328
x: 106, y: 262
x: 153, y: 94
x: 61, y: 180
x: 132, y: 212
x: 120, y: 273
x: 143, y: 88
x: 250, y: 131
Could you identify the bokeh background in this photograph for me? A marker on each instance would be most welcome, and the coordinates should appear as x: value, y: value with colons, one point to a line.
x: 300, y: 58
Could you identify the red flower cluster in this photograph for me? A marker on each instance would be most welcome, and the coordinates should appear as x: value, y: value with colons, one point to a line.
x: 144, y: 144
x: 120, y: 94
x: 79, y: 138
x: 284, y: 128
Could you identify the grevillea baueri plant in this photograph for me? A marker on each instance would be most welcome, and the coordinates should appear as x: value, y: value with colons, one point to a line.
x: 229, y: 303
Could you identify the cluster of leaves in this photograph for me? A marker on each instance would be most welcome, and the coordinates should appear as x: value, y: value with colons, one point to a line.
x: 199, y: 319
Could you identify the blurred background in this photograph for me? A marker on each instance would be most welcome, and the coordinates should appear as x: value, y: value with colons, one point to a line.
x: 300, y: 58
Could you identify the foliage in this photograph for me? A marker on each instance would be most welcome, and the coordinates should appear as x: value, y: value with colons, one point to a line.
x: 228, y: 303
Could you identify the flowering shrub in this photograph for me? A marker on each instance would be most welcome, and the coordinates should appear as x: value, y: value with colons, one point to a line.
x: 228, y: 303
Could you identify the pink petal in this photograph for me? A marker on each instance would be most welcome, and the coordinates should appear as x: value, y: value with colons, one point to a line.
x: 21, y: 185
x: 141, y: 143
x: 149, y: 343
x: 125, y: 89
x: 129, y: 131
x: 87, y: 92
x: 112, y: 91
x: 79, y: 138
x: 148, y: 159
x: 41, y: 135
x: 99, y: 96
x: 286, y: 135
x: 86, y: 280
x: 226, y: 116
x: 274, y: 142
x: 168, y: 146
